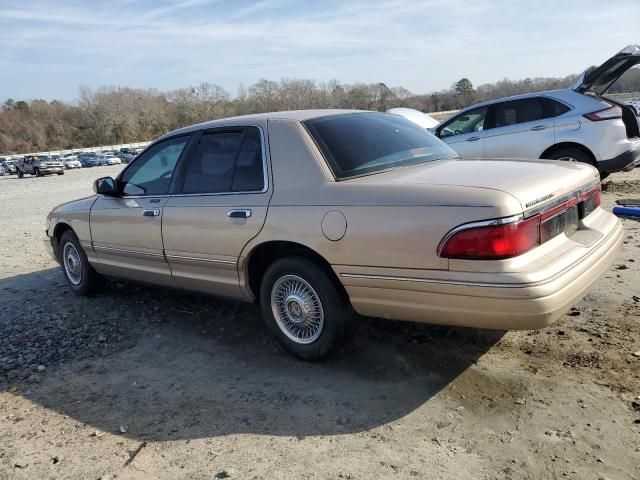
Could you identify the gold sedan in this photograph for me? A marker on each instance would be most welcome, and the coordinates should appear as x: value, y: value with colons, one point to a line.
x: 325, y: 214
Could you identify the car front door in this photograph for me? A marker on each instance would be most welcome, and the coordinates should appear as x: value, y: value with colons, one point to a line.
x: 519, y: 129
x: 126, y: 229
x: 465, y: 133
x: 222, y: 205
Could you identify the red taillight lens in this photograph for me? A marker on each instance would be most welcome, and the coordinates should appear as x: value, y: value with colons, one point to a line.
x: 506, y: 238
x: 590, y: 201
x: 608, y: 113
x: 493, y: 242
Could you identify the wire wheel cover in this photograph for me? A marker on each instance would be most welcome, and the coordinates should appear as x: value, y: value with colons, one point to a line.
x: 297, y: 309
x: 72, y: 263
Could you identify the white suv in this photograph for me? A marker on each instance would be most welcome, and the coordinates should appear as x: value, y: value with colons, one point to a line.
x: 575, y: 124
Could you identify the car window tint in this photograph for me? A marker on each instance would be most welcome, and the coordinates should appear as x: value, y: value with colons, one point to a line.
x: 151, y: 173
x: 249, y: 171
x: 553, y: 108
x: 526, y: 110
x: 362, y: 143
x: 210, y: 170
x: 469, y: 122
x: 223, y: 162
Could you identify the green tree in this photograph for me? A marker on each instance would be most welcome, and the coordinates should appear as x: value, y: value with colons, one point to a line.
x: 464, y: 89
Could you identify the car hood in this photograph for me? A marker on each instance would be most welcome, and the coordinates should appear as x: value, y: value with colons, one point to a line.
x: 531, y: 182
x: 601, y: 78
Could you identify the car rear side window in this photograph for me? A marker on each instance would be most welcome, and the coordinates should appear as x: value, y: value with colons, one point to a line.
x: 526, y: 110
x: 151, y: 173
x: 553, y: 108
x: 226, y: 161
x: 362, y: 143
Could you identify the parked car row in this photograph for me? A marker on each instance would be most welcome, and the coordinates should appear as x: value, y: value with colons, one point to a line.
x: 40, y: 165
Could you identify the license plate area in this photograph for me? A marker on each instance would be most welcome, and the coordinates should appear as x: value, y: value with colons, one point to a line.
x: 567, y: 222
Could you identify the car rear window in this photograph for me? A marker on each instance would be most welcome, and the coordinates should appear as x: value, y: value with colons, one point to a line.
x: 362, y: 143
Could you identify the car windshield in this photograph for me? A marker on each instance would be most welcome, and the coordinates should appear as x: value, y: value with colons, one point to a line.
x: 362, y: 143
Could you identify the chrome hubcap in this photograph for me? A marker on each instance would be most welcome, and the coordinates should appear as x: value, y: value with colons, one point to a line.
x: 297, y: 309
x: 72, y: 263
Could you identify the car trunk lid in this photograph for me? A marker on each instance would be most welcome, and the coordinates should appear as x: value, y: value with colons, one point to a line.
x: 599, y: 79
x: 532, y: 182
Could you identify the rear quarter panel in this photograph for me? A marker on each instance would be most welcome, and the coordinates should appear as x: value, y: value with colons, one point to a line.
x: 397, y: 226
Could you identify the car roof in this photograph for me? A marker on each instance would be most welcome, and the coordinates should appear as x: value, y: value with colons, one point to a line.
x: 561, y: 93
x: 292, y: 115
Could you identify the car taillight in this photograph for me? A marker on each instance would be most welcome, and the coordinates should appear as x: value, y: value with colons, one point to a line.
x: 493, y: 242
x: 608, y: 113
x: 507, y: 238
x: 590, y: 201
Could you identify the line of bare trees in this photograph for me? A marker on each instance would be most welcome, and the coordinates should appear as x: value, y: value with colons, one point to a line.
x: 112, y: 115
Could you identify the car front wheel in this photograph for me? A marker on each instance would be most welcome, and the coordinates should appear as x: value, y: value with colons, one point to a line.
x: 80, y: 276
x: 304, y: 308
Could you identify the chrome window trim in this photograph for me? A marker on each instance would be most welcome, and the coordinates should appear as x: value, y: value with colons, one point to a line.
x: 265, y: 168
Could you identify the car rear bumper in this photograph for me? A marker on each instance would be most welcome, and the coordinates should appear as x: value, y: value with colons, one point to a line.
x: 626, y: 161
x: 482, y: 305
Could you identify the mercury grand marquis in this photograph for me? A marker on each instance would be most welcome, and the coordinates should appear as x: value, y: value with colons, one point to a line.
x: 324, y: 215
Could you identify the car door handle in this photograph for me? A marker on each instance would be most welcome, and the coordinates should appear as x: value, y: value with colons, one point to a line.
x: 473, y: 139
x: 153, y: 212
x: 538, y: 127
x: 239, y: 213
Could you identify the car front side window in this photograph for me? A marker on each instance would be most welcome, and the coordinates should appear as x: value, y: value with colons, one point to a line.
x: 468, y: 122
x: 151, y: 173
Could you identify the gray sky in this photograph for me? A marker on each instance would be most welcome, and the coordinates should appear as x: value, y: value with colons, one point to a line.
x: 49, y: 48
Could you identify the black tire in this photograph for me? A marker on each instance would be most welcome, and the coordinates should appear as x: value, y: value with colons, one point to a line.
x: 19, y: 173
x: 90, y: 280
x: 339, y: 320
x: 576, y: 155
x: 61, y: 173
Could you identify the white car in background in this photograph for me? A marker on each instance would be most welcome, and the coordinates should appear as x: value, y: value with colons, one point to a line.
x: 111, y: 159
x: 583, y: 123
x: 425, y: 121
x: 71, y: 161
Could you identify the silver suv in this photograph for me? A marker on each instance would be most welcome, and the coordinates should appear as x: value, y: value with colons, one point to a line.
x: 39, y: 165
x: 579, y: 123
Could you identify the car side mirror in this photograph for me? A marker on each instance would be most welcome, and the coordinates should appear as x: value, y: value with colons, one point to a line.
x: 105, y: 186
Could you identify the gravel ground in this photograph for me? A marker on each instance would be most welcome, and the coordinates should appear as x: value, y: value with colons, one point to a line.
x: 141, y: 382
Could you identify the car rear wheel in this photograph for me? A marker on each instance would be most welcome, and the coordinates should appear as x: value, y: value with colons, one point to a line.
x: 304, y: 308
x: 79, y: 274
x: 61, y: 173
x: 20, y: 174
x: 576, y: 155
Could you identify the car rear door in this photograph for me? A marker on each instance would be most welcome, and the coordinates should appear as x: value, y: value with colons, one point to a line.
x: 126, y: 229
x: 465, y: 132
x: 518, y: 129
x: 222, y: 205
